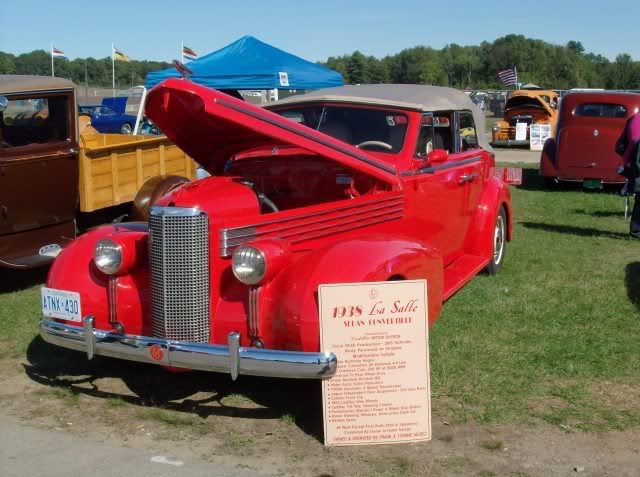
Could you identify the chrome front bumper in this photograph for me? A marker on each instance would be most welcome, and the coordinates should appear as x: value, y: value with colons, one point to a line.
x: 510, y: 142
x: 233, y: 359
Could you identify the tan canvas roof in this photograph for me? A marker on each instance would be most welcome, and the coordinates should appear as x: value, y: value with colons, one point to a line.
x: 25, y: 83
x: 406, y: 96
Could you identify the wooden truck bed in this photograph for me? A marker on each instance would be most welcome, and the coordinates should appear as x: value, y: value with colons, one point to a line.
x: 113, y: 167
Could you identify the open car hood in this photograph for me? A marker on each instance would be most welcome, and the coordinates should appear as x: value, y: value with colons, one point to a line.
x: 118, y: 104
x: 211, y: 126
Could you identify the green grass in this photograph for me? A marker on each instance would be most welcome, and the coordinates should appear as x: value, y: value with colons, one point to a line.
x: 554, y: 336
x: 561, y: 317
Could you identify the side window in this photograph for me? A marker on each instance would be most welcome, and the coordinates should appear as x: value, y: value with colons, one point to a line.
x: 35, y: 120
x: 468, y: 134
x: 435, y: 133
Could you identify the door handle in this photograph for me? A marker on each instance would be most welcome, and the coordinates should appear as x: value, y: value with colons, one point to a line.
x: 73, y: 150
x: 467, y: 178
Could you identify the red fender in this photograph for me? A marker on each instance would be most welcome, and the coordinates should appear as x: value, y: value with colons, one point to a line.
x: 479, y: 239
x: 548, y: 159
x: 75, y: 270
x: 289, y: 315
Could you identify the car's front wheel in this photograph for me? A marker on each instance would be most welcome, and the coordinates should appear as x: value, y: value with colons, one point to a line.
x: 125, y: 129
x: 499, y: 243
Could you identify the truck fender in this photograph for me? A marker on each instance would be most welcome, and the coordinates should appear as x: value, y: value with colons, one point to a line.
x: 359, y: 259
x: 479, y: 239
x: 548, y: 159
x: 152, y: 189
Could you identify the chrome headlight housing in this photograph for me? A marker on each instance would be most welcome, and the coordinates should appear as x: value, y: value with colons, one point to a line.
x: 496, y: 127
x: 249, y: 265
x: 107, y: 256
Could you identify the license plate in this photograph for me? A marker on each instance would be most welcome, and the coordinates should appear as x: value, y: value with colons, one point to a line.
x: 61, y: 304
x: 592, y: 183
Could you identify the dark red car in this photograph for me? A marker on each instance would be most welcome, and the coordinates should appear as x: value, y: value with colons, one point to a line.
x: 352, y: 184
x: 584, y: 147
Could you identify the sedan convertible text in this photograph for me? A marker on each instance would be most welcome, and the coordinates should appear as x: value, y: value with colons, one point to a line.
x: 352, y: 184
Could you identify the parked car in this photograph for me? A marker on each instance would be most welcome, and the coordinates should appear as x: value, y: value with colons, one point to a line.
x: 110, y: 116
x: 351, y: 184
x: 527, y: 107
x: 49, y: 177
x: 584, y: 147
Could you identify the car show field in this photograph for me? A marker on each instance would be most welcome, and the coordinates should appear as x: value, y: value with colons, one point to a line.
x: 532, y: 370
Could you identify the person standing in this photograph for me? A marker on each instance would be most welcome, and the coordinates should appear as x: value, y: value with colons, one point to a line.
x: 628, y: 146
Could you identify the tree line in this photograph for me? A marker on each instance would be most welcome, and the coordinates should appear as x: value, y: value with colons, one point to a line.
x: 97, y: 72
x: 538, y: 62
x: 544, y: 64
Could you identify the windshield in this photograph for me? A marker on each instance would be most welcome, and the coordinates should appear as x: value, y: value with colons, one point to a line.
x: 369, y: 129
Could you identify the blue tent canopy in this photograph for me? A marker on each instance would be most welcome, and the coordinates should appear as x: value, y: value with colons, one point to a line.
x: 248, y: 63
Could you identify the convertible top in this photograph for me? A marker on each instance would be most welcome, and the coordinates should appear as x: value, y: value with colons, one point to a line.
x: 404, y: 96
x: 27, y: 83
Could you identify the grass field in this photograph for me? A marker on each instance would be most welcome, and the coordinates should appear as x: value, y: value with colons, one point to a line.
x: 555, y: 336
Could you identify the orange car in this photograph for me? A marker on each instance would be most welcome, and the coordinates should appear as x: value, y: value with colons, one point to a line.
x: 528, y: 107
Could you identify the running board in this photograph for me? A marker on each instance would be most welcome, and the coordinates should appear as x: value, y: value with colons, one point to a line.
x: 460, y: 272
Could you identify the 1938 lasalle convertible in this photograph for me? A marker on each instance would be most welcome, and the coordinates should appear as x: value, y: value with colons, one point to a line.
x: 351, y: 184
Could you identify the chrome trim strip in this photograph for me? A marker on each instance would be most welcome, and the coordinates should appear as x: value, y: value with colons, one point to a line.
x: 441, y: 167
x: 254, y: 314
x: 175, y: 211
x: 200, y: 356
x: 314, y: 225
x: 311, y: 136
x: 112, y: 301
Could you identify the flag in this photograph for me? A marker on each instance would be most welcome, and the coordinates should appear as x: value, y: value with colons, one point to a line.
x: 56, y: 53
x: 189, y: 53
x: 509, y: 77
x: 119, y: 56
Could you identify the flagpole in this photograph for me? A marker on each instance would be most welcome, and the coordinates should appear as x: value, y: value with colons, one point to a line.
x: 515, y: 69
x: 52, y: 68
x: 113, y: 72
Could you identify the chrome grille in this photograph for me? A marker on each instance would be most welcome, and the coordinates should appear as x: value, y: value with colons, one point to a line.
x: 179, y: 266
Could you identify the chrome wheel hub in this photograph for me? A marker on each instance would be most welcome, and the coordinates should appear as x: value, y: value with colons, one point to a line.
x: 498, y: 240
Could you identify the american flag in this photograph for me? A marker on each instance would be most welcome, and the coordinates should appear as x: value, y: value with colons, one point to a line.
x: 189, y: 53
x: 56, y: 53
x: 509, y: 77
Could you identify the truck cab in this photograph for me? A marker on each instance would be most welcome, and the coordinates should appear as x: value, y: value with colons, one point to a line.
x: 38, y: 169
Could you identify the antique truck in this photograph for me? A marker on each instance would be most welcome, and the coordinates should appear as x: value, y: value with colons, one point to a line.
x: 583, y: 150
x: 50, y: 175
x: 525, y: 107
x: 352, y: 184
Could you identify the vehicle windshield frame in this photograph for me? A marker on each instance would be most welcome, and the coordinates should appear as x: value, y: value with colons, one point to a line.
x: 331, y: 118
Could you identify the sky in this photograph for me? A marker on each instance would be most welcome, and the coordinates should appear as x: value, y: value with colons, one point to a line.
x: 154, y: 29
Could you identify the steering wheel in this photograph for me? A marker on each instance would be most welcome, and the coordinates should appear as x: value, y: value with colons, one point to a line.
x: 381, y: 144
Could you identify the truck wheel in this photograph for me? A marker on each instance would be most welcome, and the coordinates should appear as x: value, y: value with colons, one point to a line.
x: 125, y: 129
x: 499, y: 243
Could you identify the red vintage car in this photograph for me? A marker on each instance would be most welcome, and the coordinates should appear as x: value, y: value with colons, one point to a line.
x: 584, y: 147
x: 353, y: 184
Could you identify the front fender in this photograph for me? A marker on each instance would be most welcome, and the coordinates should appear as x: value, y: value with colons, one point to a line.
x: 479, y: 239
x: 293, y: 295
x: 75, y: 270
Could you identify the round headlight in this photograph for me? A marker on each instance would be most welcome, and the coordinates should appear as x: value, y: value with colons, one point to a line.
x: 496, y: 127
x: 249, y: 265
x: 108, y: 256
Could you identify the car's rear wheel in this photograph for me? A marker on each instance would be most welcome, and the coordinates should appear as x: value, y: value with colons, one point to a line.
x: 499, y: 243
x: 125, y: 129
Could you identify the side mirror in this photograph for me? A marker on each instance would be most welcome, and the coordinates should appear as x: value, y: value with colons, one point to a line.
x: 437, y: 155
x: 4, y: 103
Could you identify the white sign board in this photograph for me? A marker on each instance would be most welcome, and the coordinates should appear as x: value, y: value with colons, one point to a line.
x: 284, y: 78
x: 521, y: 131
x: 381, y: 391
x: 538, y: 135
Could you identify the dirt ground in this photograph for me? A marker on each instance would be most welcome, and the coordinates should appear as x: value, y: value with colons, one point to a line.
x: 275, y: 426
